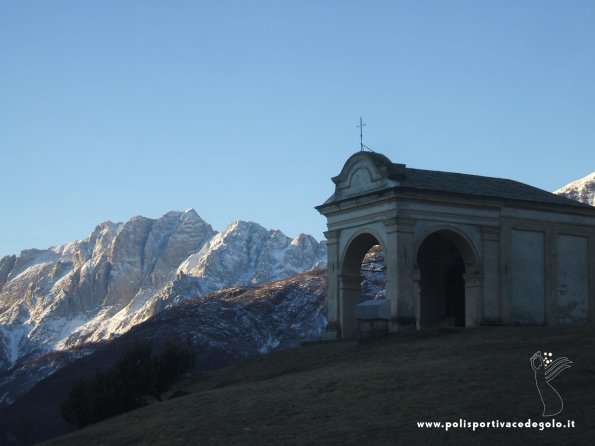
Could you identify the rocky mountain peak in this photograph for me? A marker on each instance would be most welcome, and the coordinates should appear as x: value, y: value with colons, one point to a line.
x: 246, y: 252
x: 98, y: 288
x: 582, y: 190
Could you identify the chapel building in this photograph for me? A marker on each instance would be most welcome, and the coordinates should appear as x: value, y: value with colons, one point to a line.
x: 459, y: 250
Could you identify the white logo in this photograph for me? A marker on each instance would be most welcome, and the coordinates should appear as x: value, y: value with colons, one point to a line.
x: 546, y: 369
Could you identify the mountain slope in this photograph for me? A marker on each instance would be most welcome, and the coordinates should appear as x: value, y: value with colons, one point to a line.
x: 224, y: 327
x: 374, y: 394
x: 582, y: 190
x: 49, y: 294
x: 92, y: 290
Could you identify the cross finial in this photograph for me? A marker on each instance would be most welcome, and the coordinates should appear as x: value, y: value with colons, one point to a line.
x: 361, y: 133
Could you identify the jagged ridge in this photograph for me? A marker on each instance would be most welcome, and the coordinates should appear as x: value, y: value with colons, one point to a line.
x: 224, y: 326
x: 582, y: 190
x: 98, y: 288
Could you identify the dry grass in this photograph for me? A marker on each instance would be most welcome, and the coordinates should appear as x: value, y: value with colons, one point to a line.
x: 374, y: 393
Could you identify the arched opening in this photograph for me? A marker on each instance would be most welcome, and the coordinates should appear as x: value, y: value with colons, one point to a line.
x: 443, y: 258
x: 362, y: 278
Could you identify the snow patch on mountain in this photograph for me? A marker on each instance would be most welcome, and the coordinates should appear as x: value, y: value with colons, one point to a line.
x: 247, y: 253
x: 224, y: 327
x: 582, y: 190
x: 48, y: 296
x: 96, y: 289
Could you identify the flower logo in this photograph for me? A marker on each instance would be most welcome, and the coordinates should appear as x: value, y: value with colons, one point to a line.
x: 546, y: 369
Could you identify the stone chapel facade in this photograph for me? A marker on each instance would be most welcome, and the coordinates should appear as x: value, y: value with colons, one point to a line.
x: 460, y: 250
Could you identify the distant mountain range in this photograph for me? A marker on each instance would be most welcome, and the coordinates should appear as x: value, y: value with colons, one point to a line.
x: 223, y: 327
x: 88, y: 291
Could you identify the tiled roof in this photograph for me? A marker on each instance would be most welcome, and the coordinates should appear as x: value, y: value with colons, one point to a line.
x: 474, y: 185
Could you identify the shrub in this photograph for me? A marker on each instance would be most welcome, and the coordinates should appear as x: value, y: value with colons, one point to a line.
x: 123, y: 388
x: 168, y: 367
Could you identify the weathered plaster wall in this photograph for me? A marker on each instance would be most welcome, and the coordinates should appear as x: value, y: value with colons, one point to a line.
x: 573, y: 279
x: 528, y: 277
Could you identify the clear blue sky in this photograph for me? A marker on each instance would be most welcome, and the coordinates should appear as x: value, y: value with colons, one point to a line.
x: 245, y: 110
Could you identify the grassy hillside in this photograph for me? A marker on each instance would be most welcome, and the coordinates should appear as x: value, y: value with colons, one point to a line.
x: 374, y: 393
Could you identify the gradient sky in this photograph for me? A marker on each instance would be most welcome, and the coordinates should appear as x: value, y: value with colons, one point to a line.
x: 246, y: 109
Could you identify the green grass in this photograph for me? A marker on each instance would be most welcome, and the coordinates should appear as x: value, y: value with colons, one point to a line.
x: 374, y: 393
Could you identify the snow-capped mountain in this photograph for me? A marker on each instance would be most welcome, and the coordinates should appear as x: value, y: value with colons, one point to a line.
x: 223, y: 327
x: 247, y: 253
x: 98, y: 288
x: 582, y: 190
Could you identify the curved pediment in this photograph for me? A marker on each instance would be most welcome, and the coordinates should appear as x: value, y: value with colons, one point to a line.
x: 366, y: 172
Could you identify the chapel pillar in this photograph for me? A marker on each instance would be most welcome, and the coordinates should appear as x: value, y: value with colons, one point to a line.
x: 400, y: 285
x: 473, y: 293
x: 333, y: 328
x: 349, y: 296
x: 492, y: 302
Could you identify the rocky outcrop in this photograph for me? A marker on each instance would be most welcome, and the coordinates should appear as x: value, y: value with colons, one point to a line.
x: 247, y: 253
x: 223, y: 327
x: 96, y: 289
x: 582, y: 190
x: 6, y: 265
x: 49, y: 295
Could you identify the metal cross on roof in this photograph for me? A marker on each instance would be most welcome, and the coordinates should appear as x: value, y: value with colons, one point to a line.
x: 361, y: 133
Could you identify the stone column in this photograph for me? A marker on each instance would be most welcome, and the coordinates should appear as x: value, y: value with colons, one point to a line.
x: 492, y: 303
x: 506, y: 271
x: 349, y: 296
x: 407, y: 316
x: 473, y: 292
x: 333, y: 329
x: 417, y: 295
x: 391, y: 270
x: 400, y: 262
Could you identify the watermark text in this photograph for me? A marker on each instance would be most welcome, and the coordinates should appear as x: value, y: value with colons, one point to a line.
x: 496, y: 424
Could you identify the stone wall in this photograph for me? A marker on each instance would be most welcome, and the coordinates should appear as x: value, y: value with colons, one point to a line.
x: 573, y: 279
x: 528, y: 277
